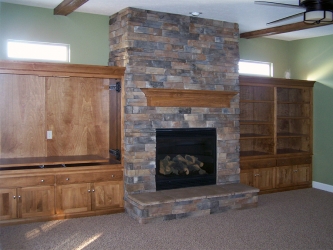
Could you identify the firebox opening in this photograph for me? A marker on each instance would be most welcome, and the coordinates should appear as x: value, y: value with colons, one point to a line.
x: 185, y: 157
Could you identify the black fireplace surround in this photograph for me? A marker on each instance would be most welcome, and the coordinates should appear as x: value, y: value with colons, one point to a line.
x: 185, y: 157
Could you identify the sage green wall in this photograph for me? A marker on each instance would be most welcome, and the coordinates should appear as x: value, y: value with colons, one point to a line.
x: 312, y: 59
x: 308, y: 59
x: 267, y: 50
x: 87, y: 34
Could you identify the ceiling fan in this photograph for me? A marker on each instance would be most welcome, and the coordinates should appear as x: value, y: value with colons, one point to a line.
x: 316, y: 11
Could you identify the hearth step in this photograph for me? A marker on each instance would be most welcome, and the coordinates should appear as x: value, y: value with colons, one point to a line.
x: 190, y: 202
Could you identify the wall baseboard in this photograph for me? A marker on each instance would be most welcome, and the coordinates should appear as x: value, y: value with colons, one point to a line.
x: 322, y: 186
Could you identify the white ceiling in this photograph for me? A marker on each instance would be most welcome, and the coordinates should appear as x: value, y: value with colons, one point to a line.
x: 248, y: 15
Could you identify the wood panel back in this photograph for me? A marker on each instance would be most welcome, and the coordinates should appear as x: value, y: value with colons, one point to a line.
x: 78, y: 114
x: 293, y: 126
x: 256, y: 112
x: 256, y: 93
x: 296, y: 95
x: 22, y: 116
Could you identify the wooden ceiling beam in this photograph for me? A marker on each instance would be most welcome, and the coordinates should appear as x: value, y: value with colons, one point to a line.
x: 68, y: 6
x: 280, y: 29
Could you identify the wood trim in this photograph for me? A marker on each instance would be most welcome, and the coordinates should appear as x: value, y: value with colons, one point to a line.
x: 60, y: 69
x: 51, y: 160
x: 80, y: 168
x: 282, y: 189
x: 187, y: 98
x: 68, y: 6
x: 280, y: 29
x: 274, y: 82
x: 275, y: 115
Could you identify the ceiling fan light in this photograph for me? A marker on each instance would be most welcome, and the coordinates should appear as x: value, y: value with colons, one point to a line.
x: 195, y: 13
x: 318, y: 16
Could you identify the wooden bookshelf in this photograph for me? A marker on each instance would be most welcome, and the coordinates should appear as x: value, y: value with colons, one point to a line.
x: 275, y: 123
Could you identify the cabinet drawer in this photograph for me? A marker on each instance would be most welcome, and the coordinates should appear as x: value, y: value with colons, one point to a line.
x: 258, y: 164
x: 74, y: 178
x: 27, y: 181
x: 294, y: 161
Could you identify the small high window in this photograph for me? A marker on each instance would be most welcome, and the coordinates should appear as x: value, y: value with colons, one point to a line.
x: 38, y: 51
x: 255, y: 68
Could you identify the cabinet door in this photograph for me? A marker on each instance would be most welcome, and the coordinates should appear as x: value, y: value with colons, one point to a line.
x: 8, y: 203
x: 264, y: 178
x: 284, y: 176
x: 73, y: 198
x: 302, y: 174
x: 246, y: 177
x: 36, y: 201
x: 107, y: 195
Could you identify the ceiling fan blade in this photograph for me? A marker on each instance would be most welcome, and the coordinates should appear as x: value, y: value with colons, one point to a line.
x: 286, y: 18
x: 279, y: 4
x: 281, y: 29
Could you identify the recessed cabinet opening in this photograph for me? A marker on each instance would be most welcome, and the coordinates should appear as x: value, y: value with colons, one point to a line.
x: 256, y: 146
x: 46, y: 117
x: 256, y: 121
x: 259, y: 130
x: 293, y: 120
x: 293, y: 145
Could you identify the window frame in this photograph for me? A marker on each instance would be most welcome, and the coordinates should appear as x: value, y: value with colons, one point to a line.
x: 270, y: 65
x: 38, y: 58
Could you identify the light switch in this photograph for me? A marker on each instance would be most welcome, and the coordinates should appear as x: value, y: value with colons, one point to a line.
x: 49, y: 135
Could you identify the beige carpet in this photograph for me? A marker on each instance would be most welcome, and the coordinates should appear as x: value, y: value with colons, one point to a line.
x: 300, y: 219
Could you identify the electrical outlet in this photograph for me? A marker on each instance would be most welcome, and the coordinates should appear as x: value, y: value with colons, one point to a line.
x: 49, y: 135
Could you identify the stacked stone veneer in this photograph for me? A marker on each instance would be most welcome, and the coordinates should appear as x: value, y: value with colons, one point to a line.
x: 161, y: 50
x: 190, y: 202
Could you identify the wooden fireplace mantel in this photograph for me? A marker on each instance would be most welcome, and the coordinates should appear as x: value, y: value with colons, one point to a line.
x: 188, y: 98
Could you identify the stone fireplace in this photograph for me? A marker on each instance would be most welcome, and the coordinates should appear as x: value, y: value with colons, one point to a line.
x: 181, y: 73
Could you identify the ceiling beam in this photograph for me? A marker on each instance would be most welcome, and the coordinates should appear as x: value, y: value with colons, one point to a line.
x: 68, y: 6
x: 280, y: 29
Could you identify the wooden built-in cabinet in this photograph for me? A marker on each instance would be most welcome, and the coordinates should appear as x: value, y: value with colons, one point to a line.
x: 26, y: 197
x: 275, y: 133
x: 81, y: 192
x: 58, y: 123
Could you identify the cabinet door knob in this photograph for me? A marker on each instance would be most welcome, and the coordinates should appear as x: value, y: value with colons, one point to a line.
x: 14, y: 197
x: 93, y: 190
x: 112, y: 176
x: 42, y: 180
x: 67, y: 179
x: 19, y: 196
x: 88, y: 190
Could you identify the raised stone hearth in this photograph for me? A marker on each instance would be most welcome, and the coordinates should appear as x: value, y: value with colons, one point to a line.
x: 190, y: 202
